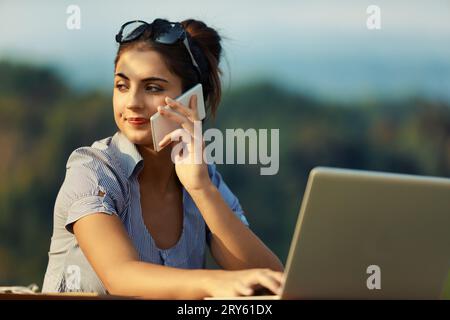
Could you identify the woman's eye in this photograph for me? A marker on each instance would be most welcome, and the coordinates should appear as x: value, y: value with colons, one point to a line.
x: 153, y: 89
x: 121, y: 87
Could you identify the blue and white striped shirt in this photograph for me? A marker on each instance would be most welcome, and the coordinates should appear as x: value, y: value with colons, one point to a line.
x: 104, y: 178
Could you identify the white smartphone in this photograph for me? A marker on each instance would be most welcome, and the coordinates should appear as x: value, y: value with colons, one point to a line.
x: 162, y: 126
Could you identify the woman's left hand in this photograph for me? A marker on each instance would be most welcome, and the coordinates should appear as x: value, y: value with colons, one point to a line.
x: 187, y: 154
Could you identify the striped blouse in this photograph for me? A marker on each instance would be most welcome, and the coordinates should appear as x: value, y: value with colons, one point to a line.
x: 104, y: 178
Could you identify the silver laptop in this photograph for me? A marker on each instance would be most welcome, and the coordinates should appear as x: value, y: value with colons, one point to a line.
x: 369, y: 235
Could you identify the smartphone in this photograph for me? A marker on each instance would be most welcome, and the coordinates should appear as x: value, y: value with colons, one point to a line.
x: 162, y: 126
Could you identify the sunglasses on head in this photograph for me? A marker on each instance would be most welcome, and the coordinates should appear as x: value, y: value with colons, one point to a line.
x: 161, y: 31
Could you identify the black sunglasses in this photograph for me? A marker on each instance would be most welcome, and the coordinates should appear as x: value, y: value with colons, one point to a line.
x: 162, y: 31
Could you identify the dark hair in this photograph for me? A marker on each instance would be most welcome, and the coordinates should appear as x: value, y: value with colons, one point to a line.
x: 205, y: 45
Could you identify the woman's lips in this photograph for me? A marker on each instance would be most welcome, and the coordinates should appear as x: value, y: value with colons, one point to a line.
x: 138, y: 121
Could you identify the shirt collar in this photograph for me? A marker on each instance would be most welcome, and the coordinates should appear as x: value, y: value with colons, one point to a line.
x: 127, y: 153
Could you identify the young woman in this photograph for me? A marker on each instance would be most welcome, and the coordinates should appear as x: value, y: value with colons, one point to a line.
x: 128, y: 220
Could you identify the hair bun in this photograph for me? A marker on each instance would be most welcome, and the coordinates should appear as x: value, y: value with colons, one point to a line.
x: 205, y: 37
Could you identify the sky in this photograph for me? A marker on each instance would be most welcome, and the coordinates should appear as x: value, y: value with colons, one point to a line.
x: 323, y: 48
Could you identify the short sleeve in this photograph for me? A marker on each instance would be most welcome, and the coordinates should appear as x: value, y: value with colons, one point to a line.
x: 90, y: 186
x: 227, y: 194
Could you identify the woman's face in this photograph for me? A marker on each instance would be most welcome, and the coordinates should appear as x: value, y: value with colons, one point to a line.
x: 141, y: 83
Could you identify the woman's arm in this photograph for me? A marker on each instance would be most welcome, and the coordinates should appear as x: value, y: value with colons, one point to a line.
x: 109, y: 250
x: 106, y: 245
x: 233, y: 245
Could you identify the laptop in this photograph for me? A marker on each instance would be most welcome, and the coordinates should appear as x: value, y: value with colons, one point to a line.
x: 369, y: 235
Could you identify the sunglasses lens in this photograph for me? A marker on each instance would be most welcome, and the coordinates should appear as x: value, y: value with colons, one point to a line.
x: 133, y: 30
x: 169, y: 33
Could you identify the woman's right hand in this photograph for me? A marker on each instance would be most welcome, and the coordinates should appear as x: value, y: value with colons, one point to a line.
x: 243, y: 282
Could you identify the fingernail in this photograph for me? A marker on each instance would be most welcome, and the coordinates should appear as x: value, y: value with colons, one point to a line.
x: 168, y: 100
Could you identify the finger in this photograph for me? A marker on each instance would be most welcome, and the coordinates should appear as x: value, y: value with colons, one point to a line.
x: 170, y: 114
x: 179, y: 107
x: 243, y: 290
x: 162, y: 144
x: 278, y: 276
x: 270, y: 283
x: 194, y: 107
x: 178, y: 118
x: 175, y: 135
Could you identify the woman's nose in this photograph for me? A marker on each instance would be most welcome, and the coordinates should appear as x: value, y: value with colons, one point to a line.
x: 135, y: 100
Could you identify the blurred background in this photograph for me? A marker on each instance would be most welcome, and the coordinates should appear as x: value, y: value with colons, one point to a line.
x: 342, y: 95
